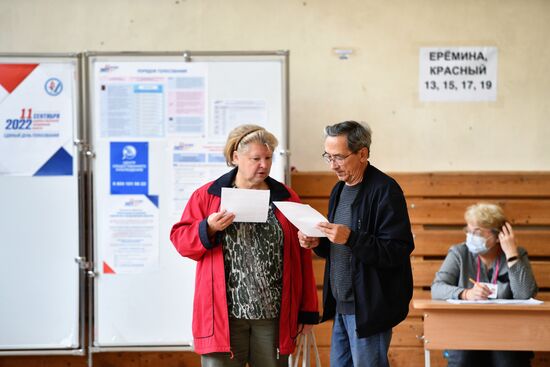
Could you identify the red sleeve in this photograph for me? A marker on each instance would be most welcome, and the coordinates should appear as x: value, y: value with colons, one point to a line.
x: 309, y: 309
x: 190, y: 235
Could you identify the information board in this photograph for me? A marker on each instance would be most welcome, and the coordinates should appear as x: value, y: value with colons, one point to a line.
x: 39, y: 211
x: 158, y: 125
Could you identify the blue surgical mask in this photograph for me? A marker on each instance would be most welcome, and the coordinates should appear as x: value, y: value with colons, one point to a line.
x: 477, y: 245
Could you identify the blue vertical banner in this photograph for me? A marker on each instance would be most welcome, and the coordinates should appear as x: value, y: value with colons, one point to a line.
x: 129, y: 168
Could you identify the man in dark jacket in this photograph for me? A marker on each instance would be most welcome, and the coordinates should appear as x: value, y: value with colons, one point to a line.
x: 368, y: 279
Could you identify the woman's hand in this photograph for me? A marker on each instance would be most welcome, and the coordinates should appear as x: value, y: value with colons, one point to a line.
x: 307, y: 242
x: 306, y: 328
x: 479, y: 291
x: 507, y: 240
x: 219, y: 221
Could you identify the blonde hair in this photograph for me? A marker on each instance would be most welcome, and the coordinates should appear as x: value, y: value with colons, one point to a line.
x: 241, y: 136
x: 486, y: 215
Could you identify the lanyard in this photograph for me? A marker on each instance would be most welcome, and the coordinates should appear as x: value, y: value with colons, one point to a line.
x: 495, y: 274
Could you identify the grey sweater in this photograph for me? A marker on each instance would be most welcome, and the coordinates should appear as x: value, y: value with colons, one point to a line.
x: 341, y: 283
x: 516, y: 282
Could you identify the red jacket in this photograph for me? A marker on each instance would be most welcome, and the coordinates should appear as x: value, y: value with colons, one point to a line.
x: 210, y: 312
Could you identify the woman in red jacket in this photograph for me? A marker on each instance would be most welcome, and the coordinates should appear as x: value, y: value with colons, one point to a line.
x: 254, y: 285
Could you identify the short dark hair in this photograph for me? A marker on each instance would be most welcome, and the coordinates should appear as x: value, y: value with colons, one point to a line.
x: 359, y: 135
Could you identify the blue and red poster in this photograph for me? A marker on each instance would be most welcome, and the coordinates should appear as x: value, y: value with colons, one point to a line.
x: 37, y: 118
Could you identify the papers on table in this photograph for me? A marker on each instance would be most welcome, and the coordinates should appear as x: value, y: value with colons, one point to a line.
x: 303, y: 216
x: 248, y: 205
x: 530, y: 301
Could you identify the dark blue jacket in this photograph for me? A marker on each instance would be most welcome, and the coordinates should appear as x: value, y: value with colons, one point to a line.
x: 381, y: 242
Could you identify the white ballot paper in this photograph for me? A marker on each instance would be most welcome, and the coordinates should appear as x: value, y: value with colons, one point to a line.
x: 303, y: 216
x: 248, y: 205
x: 530, y: 301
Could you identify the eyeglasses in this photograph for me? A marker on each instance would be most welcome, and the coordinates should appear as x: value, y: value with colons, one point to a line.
x: 479, y: 231
x: 338, y: 159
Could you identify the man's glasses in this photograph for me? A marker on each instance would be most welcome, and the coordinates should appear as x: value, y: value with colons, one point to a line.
x: 338, y: 159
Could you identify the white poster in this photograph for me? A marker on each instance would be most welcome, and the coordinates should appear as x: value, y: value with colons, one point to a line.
x: 132, y: 236
x: 458, y: 74
x: 151, y: 99
x: 228, y: 114
x: 37, y: 116
x: 194, y: 163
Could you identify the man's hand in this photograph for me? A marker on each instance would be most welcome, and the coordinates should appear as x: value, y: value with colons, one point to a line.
x: 336, y: 233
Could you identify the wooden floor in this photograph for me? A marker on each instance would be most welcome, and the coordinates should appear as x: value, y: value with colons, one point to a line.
x: 402, y: 356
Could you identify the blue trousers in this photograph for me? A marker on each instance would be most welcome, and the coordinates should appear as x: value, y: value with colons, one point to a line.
x: 347, y: 350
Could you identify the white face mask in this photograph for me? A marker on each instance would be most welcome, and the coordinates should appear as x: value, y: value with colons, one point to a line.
x: 477, y: 245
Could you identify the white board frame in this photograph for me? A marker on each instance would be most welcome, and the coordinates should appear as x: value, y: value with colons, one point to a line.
x: 100, y: 151
x: 61, y: 199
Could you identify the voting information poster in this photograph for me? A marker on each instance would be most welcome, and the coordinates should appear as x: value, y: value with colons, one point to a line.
x: 37, y: 115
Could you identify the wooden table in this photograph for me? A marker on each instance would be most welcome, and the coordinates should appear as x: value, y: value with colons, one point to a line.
x: 484, y: 326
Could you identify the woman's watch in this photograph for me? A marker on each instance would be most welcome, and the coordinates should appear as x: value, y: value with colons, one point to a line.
x: 512, y: 258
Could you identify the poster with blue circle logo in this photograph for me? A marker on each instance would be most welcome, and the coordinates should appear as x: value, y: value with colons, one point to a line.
x: 129, y: 168
x: 38, y: 116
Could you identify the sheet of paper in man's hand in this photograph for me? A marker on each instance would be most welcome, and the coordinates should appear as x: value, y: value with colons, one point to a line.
x: 248, y: 205
x: 303, y: 216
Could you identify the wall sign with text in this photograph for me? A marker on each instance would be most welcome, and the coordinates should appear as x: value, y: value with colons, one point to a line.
x: 458, y: 74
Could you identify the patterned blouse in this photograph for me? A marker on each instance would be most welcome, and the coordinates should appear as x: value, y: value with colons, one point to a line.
x: 253, y: 259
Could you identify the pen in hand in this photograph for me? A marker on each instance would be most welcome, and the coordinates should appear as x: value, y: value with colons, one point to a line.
x: 466, y: 291
x: 479, y: 291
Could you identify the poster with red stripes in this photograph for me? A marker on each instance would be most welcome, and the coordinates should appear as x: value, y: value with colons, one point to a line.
x: 37, y: 118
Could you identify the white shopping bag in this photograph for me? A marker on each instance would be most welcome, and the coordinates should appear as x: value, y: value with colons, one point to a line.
x: 304, y: 345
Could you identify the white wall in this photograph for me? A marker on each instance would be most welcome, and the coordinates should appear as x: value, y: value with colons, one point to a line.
x: 378, y: 84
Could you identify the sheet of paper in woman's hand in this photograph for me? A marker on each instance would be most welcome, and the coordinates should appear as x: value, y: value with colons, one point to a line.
x: 303, y: 216
x: 248, y: 205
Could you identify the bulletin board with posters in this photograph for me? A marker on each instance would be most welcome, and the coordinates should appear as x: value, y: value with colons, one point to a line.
x: 158, y: 125
x: 40, y: 282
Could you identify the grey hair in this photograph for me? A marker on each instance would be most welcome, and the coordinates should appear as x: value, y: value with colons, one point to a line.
x: 359, y: 135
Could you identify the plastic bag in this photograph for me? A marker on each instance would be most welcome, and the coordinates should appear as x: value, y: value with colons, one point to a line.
x: 306, y: 350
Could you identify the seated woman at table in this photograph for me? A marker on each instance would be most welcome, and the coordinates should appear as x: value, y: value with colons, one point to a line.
x: 488, y: 259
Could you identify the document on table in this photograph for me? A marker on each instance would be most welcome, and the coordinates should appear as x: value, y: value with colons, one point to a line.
x: 530, y: 301
x: 303, y: 216
x: 248, y: 205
